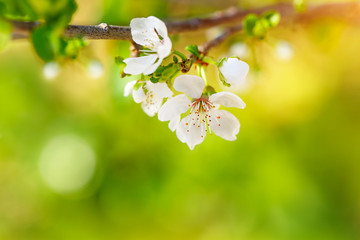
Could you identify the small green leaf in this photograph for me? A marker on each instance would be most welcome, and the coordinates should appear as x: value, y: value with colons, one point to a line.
x: 119, y: 60
x: 175, y: 59
x: 260, y: 28
x: 249, y: 23
x: 71, y: 47
x: 193, y: 49
x: 272, y: 17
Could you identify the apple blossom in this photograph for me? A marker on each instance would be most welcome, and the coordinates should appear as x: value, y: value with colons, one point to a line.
x: 234, y: 71
x: 204, y: 114
x: 150, y: 95
x: 151, y: 33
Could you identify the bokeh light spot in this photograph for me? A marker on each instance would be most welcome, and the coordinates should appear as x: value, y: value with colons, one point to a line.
x: 51, y: 70
x: 67, y: 163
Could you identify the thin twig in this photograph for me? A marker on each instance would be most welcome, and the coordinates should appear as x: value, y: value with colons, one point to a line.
x: 205, y: 47
x: 349, y: 11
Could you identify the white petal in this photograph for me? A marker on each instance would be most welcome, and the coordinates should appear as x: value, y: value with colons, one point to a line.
x: 129, y: 87
x: 173, y: 124
x: 138, y: 65
x: 164, y: 49
x: 153, y: 106
x: 224, y: 124
x: 234, y: 71
x: 192, y: 85
x: 152, y: 68
x: 159, y: 89
x: 139, y: 95
x: 189, y: 133
x: 174, y: 107
x: 158, y: 25
x: 142, y: 31
x: 227, y: 99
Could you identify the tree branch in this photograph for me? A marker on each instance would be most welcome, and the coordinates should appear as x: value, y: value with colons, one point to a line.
x: 205, y: 47
x: 349, y: 11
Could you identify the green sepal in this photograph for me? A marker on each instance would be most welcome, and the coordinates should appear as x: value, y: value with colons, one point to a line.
x: 223, y: 81
x: 138, y: 85
x: 170, y: 71
x: 221, y: 61
x: 209, y: 90
x: 154, y: 80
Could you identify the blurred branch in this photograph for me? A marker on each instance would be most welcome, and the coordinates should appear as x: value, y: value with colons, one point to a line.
x: 349, y: 11
x: 205, y: 47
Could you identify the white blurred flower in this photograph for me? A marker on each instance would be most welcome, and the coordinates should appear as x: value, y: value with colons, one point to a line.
x: 234, y: 71
x: 204, y: 114
x: 284, y: 50
x: 151, y: 95
x: 95, y: 69
x: 239, y: 49
x: 51, y: 70
x: 151, y: 33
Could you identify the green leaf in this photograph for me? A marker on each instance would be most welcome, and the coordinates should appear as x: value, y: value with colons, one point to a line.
x: 119, y: 61
x: 19, y: 9
x: 45, y: 42
x: 5, y: 33
x: 59, y: 17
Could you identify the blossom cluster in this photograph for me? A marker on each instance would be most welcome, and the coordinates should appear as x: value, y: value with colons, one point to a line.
x: 194, y: 110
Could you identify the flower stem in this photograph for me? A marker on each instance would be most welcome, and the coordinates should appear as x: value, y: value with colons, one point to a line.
x: 201, y: 73
x: 209, y: 60
x: 181, y: 55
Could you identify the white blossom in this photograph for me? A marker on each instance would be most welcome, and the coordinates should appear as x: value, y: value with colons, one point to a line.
x: 151, y: 95
x: 234, y: 71
x: 204, y: 115
x: 151, y: 33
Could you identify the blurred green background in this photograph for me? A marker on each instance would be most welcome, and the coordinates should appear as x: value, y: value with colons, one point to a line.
x: 80, y: 161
